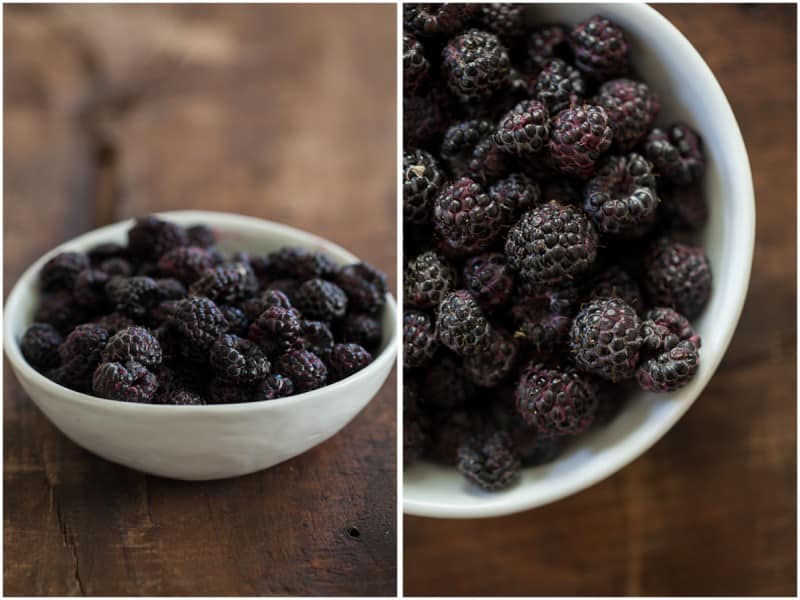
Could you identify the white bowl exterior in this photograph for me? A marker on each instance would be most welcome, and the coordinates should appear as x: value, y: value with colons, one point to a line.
x: 688, y: 91
x: 199, y: 442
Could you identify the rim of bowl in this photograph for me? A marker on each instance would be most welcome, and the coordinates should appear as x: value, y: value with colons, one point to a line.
x: 222, y: 221
x: 631, y: 448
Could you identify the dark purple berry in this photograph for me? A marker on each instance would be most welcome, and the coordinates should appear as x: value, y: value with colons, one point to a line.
x: 427, y: 280
x: 150, y: 237
x: 365, y: 286
x: 133, y: 344
x: 557, y: 401
x: 678, y: 276
x: 488, y: 278
x: 600, y: 48
x: 360, y: 329
x: 185, y: 263
x: 277, y: 330
x: 670, y: 370
x: 39, y: 346
x: 321, y: 300
x: 475, y: 65
x: 419, y: 338
x: 304, y: 368
x: 605, y: 339
x: 61, y: 271
x: 238, y: 360
x: 317, y: 338
x: 274, y: 386
x: 130, y: 382
x: 461, y: 324
x: 578, y: 136
x: 488, y: 461
x: 347, y: 359
x: 551, y: 244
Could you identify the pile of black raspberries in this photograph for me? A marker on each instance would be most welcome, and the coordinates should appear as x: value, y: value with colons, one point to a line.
x: 168, y: 319
x: 547, y: 268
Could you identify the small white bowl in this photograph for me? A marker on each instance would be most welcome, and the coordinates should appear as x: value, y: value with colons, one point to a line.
x: 199, y: 442
x: 688, y: 91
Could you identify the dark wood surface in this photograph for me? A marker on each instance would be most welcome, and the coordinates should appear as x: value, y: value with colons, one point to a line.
x: 711, y: 508
x: 281, y: 112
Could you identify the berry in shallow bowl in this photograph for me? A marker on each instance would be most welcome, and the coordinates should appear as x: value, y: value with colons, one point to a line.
x: 199, y: 442
x: 689, y: 92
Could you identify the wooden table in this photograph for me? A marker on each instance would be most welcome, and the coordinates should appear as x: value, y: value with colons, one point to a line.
x: 711, y: 509
x: 282, y: 112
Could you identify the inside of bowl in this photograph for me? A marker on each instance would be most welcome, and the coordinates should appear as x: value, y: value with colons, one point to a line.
x: 234, y: 232
x: 688, y: 92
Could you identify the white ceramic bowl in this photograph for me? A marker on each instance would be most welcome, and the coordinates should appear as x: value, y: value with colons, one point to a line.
x: 688, y: 91
x: 199, y: 442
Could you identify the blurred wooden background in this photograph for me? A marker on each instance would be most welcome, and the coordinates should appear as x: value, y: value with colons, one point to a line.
x: 711, y: 509
x: 283, y: 112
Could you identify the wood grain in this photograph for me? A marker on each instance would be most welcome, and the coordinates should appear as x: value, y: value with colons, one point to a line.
x: 711, y: 508
x: 282, y: 112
